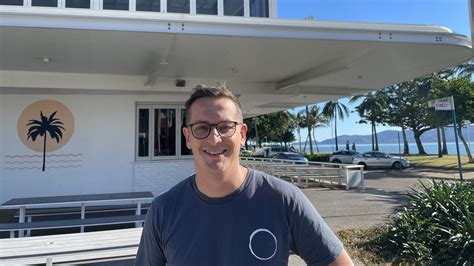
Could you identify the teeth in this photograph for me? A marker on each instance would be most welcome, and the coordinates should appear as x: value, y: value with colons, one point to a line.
x: 214, y: 153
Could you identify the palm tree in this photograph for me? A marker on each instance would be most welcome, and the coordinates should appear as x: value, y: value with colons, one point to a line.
x: 464, y: 70
x: 331, y: 110
x: 317, y: 119
x: 46, y: 125
x: 309, y: 130
x: 298, y: 122
x: 370, y: 110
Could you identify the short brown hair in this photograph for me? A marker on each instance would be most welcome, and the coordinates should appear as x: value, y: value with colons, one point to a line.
x: 219, y: 91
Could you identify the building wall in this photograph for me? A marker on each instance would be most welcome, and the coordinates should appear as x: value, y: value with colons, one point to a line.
x: 2, y: 129
x: 102, y: 144
x: 161, y: 175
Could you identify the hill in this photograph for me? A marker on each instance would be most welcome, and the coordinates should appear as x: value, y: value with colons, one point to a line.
x: 390, y: 136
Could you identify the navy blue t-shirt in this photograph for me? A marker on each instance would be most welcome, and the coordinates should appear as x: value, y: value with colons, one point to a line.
x: 255, y: 225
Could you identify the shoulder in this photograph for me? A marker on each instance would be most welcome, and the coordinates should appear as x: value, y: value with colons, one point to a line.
x: 173, y: 195
x: 283, y: 188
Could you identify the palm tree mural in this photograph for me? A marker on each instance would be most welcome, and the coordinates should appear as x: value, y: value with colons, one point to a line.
x: 46, y: 125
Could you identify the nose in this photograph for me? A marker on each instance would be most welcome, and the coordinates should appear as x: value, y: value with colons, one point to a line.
x: 214, y: 135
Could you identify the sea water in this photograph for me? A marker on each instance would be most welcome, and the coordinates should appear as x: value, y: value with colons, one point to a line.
x: 430, y: 148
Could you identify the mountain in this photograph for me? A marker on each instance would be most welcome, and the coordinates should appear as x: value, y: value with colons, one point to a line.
x: 390, y: 136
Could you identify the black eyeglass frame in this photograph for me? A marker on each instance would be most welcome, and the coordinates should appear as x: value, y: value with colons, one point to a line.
x: 190, y: 126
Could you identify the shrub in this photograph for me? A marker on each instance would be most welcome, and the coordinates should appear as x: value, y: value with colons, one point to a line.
x: 318, y: 157
x: 436, y: 225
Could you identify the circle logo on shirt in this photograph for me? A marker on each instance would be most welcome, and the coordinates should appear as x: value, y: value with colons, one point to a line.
x: 263, y: 244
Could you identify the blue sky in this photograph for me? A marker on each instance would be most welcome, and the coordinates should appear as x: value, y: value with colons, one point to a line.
x: 449, y: 13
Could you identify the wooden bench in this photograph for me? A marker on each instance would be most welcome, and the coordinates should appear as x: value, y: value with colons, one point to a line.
x: 66, y: 223
x: 44, y: 212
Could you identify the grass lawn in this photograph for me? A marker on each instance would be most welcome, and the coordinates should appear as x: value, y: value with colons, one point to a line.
x: 446, y: 162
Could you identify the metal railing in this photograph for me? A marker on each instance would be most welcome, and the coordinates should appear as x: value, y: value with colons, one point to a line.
x: 347, y: 174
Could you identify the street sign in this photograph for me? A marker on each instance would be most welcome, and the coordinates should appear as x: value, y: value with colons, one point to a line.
x: 442, y: 104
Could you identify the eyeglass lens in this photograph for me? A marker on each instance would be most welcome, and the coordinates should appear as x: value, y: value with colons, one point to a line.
x: 224, y: 129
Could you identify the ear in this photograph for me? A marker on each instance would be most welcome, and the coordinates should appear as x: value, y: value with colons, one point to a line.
x: 243, y: 134
x: 187, y: 136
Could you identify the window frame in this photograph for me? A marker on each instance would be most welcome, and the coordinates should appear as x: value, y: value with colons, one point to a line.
x: 151, y: 107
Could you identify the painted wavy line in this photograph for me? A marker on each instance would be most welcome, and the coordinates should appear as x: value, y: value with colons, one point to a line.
x: 53, y: 166
x: 47, y: 155
x: 49, y: 161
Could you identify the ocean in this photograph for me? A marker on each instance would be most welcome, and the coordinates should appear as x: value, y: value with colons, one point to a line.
x: 430, y: 148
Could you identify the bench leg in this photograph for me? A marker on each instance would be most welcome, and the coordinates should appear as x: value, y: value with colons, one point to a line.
x: 28, y: 232
x: 12, y: 234
x: 21, y: 219
x: 49, y: 261
x: 83, y: 215
x: 138, y: 212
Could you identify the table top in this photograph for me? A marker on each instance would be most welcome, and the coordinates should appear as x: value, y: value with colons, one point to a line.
x: 86, y: 198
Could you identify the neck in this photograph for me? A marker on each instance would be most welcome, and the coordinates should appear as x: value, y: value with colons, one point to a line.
x: 220, y: 185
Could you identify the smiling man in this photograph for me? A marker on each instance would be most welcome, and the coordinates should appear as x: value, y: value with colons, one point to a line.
x: 227, y: 214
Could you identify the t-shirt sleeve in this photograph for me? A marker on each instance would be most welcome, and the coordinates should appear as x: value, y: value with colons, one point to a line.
x: 312, y: 239
x: 150, y: 251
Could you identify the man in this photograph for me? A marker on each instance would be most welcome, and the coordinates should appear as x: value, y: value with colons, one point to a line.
x: 227, y: 214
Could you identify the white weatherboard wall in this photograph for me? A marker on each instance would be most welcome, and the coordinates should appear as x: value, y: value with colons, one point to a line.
x: 104, y: 137
x: 2, y: 128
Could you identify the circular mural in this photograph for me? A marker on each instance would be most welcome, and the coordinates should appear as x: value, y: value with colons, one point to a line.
x: 45, y: 126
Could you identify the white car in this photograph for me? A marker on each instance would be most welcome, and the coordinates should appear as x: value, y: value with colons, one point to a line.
x: 380, y: 159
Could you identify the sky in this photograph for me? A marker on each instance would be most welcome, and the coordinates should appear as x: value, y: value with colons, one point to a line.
x: 449, y: 13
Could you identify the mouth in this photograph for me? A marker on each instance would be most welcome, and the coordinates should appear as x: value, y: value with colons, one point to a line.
x: 215, y: 152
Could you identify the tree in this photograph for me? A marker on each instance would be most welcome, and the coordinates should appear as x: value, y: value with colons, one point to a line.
x: 462, y: 90
x: 464, y: 70
x: 308, y: 125
x: 436, y: 88
x: 371, y: 110
x: 331, y: 110
x: 298, y: 123
x: 316, y: 119
x: 43, y: 126
x: 272, y: 126
x: 407, y: 108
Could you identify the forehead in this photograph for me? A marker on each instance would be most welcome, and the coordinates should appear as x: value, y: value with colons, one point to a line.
x: 209, y: 109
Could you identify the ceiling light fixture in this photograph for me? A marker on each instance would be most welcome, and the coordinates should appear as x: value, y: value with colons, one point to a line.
x: 46, y: 59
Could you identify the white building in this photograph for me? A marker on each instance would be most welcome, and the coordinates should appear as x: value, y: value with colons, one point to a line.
x: 123, y: 68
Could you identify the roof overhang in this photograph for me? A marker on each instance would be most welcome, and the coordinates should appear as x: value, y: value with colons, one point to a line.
x: 272, y: 64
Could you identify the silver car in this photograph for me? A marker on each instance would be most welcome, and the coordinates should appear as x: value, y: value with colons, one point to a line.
x: 380, y: 159
x: 342, y: 156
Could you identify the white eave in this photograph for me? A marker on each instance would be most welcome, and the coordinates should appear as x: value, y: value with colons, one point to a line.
x: 273, y: 64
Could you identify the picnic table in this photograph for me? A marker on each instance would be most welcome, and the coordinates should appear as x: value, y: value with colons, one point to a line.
x: 87, y: 199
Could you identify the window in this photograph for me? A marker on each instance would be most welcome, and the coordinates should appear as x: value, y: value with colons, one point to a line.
x: 259, y: 8
x: 206, y: 7
x: 233, y: 7
x: 178, y: 6
x: 149, y: 5
x: 52, y: 3
x: 116, y: 4
x: 11, y: 2
x: 78, y: 3
x: 159, y: 132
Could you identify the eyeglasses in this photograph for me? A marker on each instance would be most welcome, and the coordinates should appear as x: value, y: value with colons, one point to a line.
x: 225, y: 129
